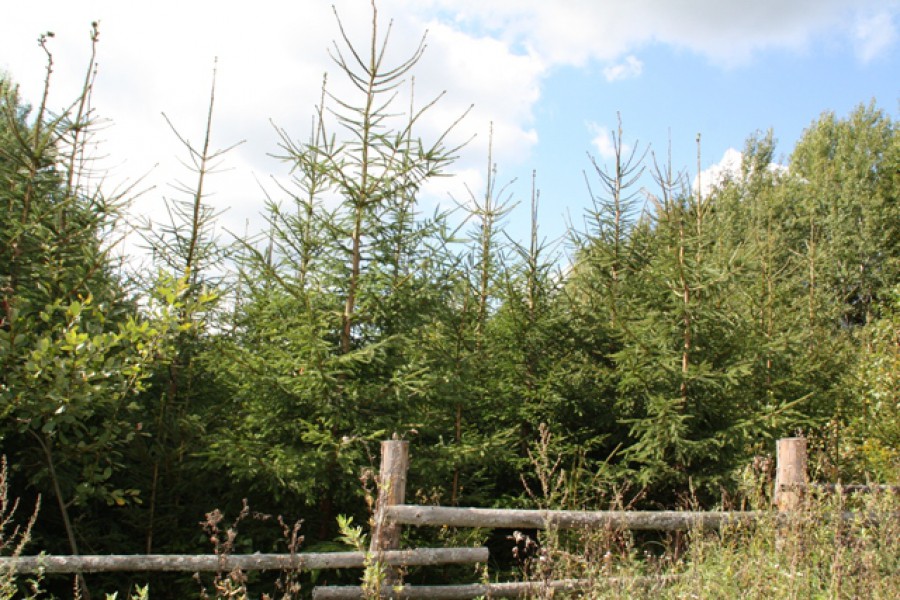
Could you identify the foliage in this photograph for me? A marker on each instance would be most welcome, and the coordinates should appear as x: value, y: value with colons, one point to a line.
x: 724, y: 321
x: 139, y: 593
x: 75, y: 350
x: 72, y: 349
x: 871, y: 443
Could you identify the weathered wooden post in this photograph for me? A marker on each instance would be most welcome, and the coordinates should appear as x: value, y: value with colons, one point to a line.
x: 790, y: 472
x: 391, y: 490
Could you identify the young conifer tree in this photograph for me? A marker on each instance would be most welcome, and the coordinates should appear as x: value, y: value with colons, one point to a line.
x: 472, y: 403
x: 326, y: 352
x: 597, y: 298
x: 186, y: 251
x: 680, y: 357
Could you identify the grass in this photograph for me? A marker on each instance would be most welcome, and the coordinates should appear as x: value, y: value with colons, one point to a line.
x: 807, y: 554
x: 810, y: 553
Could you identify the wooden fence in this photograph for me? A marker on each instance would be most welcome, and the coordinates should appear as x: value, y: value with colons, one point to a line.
x: 791, y: 481
x: 391, y: 513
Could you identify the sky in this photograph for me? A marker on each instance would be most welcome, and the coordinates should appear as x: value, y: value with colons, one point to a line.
x: 547, y: 81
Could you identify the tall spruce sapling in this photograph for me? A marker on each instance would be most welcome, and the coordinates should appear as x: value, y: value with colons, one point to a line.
x: 320, y: 352
x: 185, y: 250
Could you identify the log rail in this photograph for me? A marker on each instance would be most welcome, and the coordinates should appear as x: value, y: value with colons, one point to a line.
x: 247, y: 562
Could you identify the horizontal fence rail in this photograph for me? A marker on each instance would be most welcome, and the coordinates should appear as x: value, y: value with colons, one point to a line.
x: 453, y: 592
x: 517, y: 589
x: 246, y: 562
x: 850, y: 488
x: 504, y: 518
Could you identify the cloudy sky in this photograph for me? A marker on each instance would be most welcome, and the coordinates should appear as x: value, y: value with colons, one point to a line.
x: 550, y: 76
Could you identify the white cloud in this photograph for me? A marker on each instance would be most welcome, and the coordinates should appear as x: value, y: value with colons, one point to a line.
x: 503, y: 86
x: 874, y: 35
x: 630, y: 67
x: 729, y: 32
x: 726, y: 169
x: 729, y: 168
x: 602, y: 141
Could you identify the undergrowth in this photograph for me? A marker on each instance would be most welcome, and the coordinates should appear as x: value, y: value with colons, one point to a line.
x: 812, y: 553
x: 836, y: 545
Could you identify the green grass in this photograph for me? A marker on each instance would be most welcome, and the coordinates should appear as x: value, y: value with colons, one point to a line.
x: 807, y: 554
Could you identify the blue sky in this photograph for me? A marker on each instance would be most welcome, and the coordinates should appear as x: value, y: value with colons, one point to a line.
x: 679, y: 94
x: 550, y: 76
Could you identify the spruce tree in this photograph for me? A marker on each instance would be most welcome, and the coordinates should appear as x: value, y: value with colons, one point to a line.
x: 326, y: 355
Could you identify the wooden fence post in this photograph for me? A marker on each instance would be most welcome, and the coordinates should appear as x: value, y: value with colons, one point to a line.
x: 790, y: 472
x: 391, y: 490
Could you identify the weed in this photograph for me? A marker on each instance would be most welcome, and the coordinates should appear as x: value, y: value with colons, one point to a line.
x: 13, y: 539
x: 234, y: 583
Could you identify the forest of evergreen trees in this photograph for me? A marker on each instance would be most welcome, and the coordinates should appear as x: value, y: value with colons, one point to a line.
x: 688, y: 332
